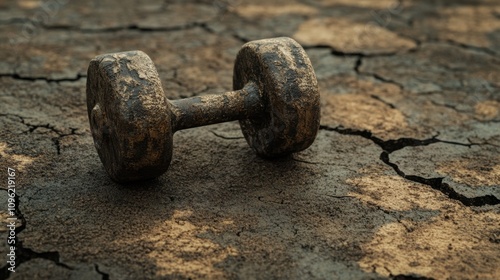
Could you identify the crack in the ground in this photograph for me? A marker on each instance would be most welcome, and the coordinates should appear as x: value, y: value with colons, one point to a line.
x: 48, y: 80
x: 466, y: 46
x: 24, y: 254
x: 387, y: 145
x: 376, y: 76
x: 240, y: 38
x: 55, y: 140
x: 130, y: 27
x: 419, y: 42
x: 469, y: 112
x: 449, y: 106
x: 336, y: 52
x: 310, y: 162
x: 207, y: 28
x: 382, y: 79
x: 359, y: 62
x: 409, y: 277
x: 482, y: 143
x: 105, y: 276
x: 21, y: 118
x: 390, y: 146
x: 393, y: 215
x: 360, y: 56
x: 33, y: 127
x: 341, y: 196
x: 226, y: 137
x: 396, y: 216
x: 378, y: 98
x: 439, y: 185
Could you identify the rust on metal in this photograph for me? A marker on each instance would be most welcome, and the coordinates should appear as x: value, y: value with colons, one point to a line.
x: 275, y: 98
x: 129, y: 116
x: 288, y: 86
x: 216, y: 108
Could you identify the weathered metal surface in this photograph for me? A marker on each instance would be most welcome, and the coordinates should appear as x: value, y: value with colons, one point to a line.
x: 287, y: 84
x: 276, y: 99
x: 129, y: 116
x: 216, y: 108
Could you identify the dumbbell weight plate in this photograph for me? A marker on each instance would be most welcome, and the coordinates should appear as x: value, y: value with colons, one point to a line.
x: 129, y: 118
x: 289, y: 89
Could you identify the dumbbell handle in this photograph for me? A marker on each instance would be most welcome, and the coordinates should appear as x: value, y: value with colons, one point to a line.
x: 216, y: 108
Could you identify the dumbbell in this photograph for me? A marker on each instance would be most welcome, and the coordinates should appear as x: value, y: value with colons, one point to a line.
x: 275, y: 99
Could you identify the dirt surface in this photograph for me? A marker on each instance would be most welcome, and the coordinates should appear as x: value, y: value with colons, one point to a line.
x: 402, y: 182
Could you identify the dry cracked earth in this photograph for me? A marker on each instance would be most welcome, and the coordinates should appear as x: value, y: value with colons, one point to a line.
x: 402, y: 182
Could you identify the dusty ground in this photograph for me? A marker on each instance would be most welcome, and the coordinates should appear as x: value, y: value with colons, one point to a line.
x: 402, y: 182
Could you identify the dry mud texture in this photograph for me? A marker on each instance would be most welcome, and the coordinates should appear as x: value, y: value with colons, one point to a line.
x: 402, y: 181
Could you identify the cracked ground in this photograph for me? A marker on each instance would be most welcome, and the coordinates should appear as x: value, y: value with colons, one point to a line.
x: 402, y: 182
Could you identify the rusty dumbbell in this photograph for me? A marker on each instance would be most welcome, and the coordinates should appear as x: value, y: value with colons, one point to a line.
x: 275, y: 99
